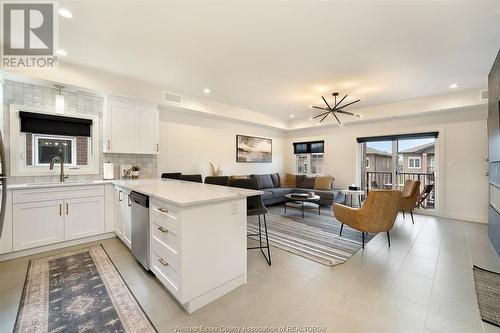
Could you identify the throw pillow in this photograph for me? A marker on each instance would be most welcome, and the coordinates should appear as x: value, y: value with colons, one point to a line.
x: 264, y: 181
x: 308, y: 182
x: 323, y: 183
x: 299, y: 181
x: 276, y: 180
x: 290, y: 180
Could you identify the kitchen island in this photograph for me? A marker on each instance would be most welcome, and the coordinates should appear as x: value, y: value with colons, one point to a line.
x: 197, y: 236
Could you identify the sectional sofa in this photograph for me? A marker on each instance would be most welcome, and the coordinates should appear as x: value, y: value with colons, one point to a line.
x: 275, y: 187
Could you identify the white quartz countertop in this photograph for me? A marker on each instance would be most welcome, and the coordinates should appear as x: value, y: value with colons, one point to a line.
x: 57, y: 184
x: 183, y: 193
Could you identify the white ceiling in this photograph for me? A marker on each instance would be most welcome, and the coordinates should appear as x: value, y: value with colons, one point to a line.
x: 280, y: 57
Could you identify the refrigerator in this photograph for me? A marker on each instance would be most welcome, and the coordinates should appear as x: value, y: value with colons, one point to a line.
x: 3, y: 184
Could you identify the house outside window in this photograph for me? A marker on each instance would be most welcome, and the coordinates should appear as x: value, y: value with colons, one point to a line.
x: 414, y: 162
x: 367, y: 164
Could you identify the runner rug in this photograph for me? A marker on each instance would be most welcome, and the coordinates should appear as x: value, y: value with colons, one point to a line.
x: 78, y: 291
x: 315, y: 237
x: 488, y: 294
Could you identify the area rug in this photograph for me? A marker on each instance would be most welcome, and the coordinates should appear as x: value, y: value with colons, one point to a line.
x: 488, y: 294
x: 316, y: 237
x: 78, y: 291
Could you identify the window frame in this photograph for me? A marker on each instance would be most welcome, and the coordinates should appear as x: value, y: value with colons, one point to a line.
x: 414, y: 159
x: 309, y: 158
x: 17, y: 154
x: 37, y: 137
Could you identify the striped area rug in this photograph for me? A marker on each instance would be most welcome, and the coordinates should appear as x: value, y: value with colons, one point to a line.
x: 316, y: 237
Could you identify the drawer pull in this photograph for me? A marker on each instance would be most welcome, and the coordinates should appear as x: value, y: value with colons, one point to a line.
x: 163, y: 230
x: 163, y: 210
x: 163, y: 262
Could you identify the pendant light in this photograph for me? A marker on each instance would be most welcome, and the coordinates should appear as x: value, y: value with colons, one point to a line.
x: 59, y: 107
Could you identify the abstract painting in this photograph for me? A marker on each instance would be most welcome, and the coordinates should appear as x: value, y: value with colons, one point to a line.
x: 251, y: 149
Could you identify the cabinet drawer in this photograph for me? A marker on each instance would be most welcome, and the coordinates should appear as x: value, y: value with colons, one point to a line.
x: 56, y: 193
x: 166, y: 215
x: 166, y: 235
x: 166, y: 273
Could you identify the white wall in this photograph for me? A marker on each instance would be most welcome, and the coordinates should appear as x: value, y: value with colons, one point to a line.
x: 189, y: 142
x: 462, y: 151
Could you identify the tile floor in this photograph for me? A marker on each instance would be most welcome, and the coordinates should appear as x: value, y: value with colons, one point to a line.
x: 422, y: 283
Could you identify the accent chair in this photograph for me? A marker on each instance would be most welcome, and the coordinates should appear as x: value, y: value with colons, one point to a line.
x: 378, y: 213
x: 409, y: 197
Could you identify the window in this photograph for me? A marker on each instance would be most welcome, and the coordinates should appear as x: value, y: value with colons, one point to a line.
x: 414, y: 162
x: 367, y: 163
x: 310, y: 164
x: 46, y: 147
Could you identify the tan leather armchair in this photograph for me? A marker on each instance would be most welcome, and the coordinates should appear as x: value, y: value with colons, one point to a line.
x: 409, y: 197
x: 378, y: 213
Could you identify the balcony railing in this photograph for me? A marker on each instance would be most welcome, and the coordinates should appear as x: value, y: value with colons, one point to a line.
x: 384, y: 181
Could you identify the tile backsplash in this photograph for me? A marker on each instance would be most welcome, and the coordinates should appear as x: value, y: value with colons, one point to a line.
x: 41, y: 96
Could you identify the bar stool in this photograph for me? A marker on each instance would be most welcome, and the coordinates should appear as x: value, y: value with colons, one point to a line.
x: 191, y: 178
x: 171, y: 175
x: 255, y: 206
x: 217, y: 180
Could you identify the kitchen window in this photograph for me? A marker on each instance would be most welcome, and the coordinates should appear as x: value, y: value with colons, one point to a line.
x: 414, y: 162
x: 46, y: 147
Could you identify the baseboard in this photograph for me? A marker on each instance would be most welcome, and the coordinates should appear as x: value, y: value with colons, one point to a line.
x: 45, y: 248
x: 213, y: 294
x: 461, y: 217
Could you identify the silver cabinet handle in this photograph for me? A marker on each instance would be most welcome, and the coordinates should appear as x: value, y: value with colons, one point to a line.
x: 157, y: 147
x: 67, y: 208
x: 163, y: 230
x: 129, y: 201
x: 163, y: 210
x: 60, y: 209
x: 120, y: 196
x: 109, y: 144
x: 163, y: 262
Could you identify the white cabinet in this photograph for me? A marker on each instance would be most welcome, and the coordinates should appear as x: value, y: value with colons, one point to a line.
x: 6, y: 239
x: 37, y: 223
x: 51, y: 215
x: 130, y: 126
x: 83, y: 217
x: 123, y: 218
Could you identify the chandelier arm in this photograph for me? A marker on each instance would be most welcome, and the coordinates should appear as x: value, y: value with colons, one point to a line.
x: 343, y: 106
x: 326, y: 102
x: 319, y: 115
x: 320, y: 108
x: 336, y: 117
x: 337, y: 104
x: 349, y: 113
x: 324, y: 117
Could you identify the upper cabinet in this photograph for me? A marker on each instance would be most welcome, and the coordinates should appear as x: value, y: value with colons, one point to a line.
x: 130, y: 126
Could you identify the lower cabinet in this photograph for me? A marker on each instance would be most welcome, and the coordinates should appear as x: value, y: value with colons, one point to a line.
x: 56, y: 215
x: 123, y: 218
x: 37, y: 224
x: 83, y: 217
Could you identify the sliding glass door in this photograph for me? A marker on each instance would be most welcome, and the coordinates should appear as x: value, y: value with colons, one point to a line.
x: 387, y: 162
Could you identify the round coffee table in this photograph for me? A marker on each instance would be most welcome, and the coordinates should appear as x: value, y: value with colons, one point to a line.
x: 303, y: 203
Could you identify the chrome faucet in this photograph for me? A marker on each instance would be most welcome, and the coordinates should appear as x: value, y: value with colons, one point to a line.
x: 62, y: 177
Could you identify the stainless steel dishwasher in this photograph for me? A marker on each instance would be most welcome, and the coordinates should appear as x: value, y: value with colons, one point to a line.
x: 140, y: 228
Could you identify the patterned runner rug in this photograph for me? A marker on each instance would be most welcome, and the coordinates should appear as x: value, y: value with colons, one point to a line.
x: 488, y: 294
x: 78, y: 291
x: 315, y: 237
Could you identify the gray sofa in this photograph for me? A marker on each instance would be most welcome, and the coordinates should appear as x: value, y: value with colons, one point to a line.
x: 270, y: 184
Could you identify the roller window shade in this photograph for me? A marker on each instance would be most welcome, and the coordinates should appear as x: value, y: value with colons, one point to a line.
x: 40, y: 123
x: 312, y: 147
x: 424, y: 135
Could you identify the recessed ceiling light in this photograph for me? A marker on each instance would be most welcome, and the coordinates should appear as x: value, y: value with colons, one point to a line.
x: 206, y: 91
x: 453, y: 86
x: 61, y: 52
x: 65, y: 13
x: 292, y: 116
